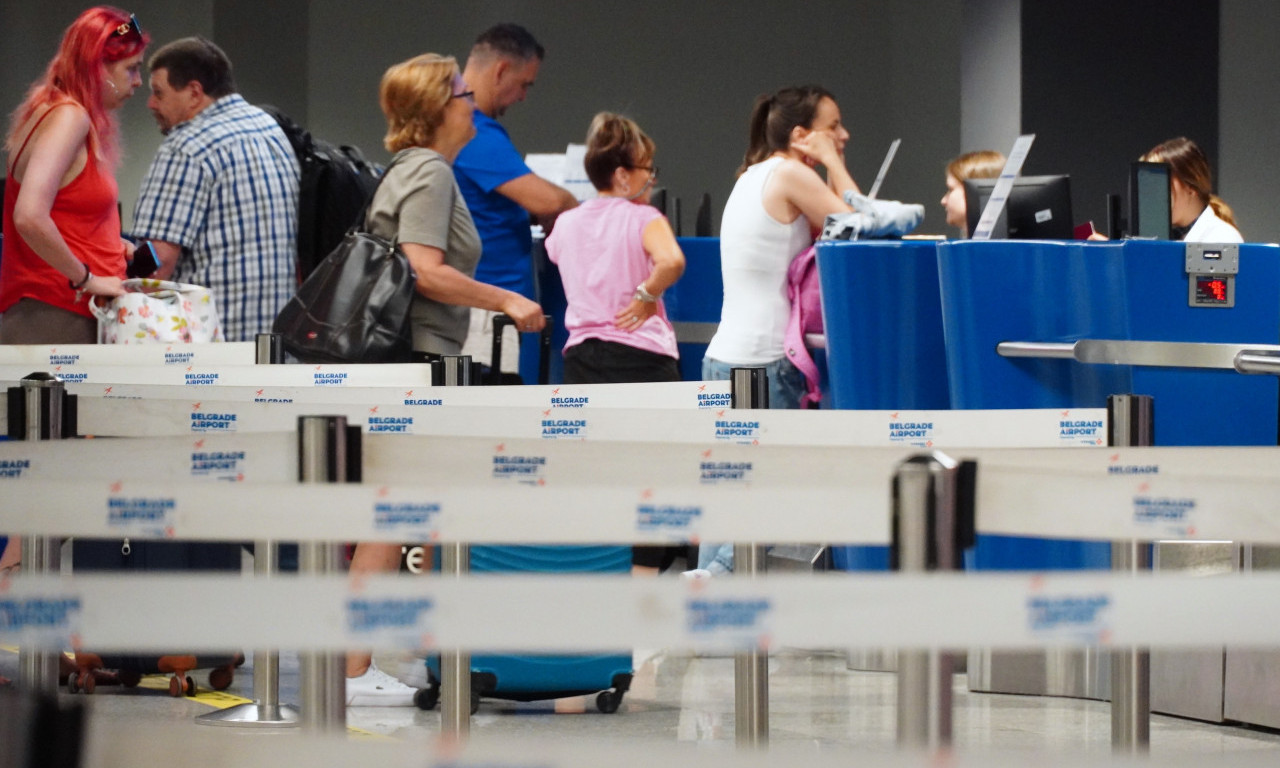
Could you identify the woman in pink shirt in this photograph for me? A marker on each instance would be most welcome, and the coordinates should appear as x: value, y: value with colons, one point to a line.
x: 617, y: 254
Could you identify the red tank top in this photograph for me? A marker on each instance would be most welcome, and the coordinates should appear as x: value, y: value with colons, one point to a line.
x: 87, y: 216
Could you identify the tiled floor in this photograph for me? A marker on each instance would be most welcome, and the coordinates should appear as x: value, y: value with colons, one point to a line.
x: 814, y: 702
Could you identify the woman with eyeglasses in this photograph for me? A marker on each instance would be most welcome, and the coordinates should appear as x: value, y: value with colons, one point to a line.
x: 418, y: 206
x: 62, y: 240
x: 617, y: 254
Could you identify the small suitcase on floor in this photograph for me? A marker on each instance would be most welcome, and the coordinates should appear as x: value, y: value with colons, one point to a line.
x: 122, y: 556
x: 536, y: 677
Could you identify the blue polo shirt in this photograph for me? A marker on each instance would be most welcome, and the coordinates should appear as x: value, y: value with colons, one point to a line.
x: 487, y: 162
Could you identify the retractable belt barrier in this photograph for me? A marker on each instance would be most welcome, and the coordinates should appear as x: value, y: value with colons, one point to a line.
x: 543, y: 613
x: 205, y: 413
x: 132, y: 744
x: 67, y: 357
x: 478, y: 490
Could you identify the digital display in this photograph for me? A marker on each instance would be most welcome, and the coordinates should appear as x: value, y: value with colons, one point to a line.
x: 1211, y: 290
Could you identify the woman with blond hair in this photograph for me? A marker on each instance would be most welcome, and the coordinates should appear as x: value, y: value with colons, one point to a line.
x: 983, y: 164
x: 418, y: 206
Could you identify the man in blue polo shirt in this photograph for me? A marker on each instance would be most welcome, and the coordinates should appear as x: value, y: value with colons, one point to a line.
x: 498, y: 187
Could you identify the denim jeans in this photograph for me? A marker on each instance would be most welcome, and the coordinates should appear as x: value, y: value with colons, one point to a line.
x: 786, y: 386
x: 786, y: 382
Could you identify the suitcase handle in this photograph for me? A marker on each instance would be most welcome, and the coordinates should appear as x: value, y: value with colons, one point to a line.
x: 500, y: 322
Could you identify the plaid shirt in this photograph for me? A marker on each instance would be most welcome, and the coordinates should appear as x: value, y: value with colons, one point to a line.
x: 224, y: 186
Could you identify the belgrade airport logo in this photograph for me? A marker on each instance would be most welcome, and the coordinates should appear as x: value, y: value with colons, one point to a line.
x: 741, y: 622
x: 70, y: 377
x: 178, y: 357
x: 48, y: 616
x: 210, y: 421
x: 740, y: 431
x: 223, y: 465
x: 525, y: 470
x: 398, y: 616
x: 565, y: 401
x: 713, y: 399
x: 563, y: 429
x: 1083, y: 618
x: 1164, y: 516
x: 711, y: 472
x: 57, y: 358
x: 322, y: 378
x: 1073, y: 431
x: 675, y: 519
x: 1129, y: 470
x: 193, y: 378
x: 392, y: 425
x: 410, y: 399
x: 12, y: 469
x: 908, y: 432
x: 141, y: 515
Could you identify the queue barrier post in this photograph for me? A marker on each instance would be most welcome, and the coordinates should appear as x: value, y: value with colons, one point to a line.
x: 328, y: 452
x: 749, y: 388
x: 930, y: 526
x: 266, y: 711
x: 1132, y: 423
x: 40, y: 409
x: 455, y: 562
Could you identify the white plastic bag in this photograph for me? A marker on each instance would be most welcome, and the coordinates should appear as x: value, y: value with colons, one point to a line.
x: 158, y: 311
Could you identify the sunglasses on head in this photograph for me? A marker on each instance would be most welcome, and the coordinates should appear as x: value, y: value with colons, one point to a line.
x: 131, y: 25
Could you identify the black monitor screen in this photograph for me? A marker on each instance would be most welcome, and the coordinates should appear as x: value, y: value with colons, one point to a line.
x: 1149, y: 200
x: 1038, y: 208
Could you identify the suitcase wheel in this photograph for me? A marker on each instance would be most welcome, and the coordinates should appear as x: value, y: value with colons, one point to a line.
x: 427, y: 698
x: 220, y: 678
x: 608, y: 701
x: 181, y: 685
x: 130, y: 678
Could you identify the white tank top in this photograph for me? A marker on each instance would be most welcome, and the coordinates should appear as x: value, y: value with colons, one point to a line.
x: 755, y: 251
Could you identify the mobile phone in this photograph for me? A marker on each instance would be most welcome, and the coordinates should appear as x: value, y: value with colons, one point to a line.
x: 145, y: 261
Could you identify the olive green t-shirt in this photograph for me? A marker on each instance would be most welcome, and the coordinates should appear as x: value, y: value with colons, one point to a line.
x: 418, y: 202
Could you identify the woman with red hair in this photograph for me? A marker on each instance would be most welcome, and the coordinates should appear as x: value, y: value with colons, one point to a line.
x: 61, y: 217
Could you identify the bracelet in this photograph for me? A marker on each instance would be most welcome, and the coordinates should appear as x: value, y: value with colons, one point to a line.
x: 642, y: 295
x: 87, y: 277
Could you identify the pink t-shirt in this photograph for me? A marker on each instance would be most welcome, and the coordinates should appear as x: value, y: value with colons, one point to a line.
x: 599, y: 249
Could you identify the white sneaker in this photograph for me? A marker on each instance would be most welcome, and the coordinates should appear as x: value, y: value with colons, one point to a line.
x: 697, y: 574
x: 376, y: 688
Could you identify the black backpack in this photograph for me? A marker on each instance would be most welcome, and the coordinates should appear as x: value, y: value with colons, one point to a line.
x: 336, y: 184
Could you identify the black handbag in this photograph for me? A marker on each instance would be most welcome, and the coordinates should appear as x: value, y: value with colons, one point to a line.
x: 354, y: 307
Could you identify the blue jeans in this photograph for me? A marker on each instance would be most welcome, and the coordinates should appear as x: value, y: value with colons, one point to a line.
x: 786, y: 387
x: 786, y: 382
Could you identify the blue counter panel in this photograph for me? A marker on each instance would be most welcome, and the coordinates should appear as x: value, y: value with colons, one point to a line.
x: 883, y: 319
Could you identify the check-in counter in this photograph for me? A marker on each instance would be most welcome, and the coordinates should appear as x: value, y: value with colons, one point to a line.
x: 1137, y: 290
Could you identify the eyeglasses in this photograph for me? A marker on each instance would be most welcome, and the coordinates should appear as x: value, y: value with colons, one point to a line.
x: 131, y: 25
x: 652, y: 169
x: 468, y: 95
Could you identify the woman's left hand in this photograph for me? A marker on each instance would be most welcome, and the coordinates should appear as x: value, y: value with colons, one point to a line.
x: 635, y: 314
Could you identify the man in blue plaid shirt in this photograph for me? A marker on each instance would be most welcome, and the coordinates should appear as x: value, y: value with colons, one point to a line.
x: 220, y: 201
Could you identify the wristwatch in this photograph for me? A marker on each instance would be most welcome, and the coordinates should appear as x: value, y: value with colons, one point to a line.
x: 642, y: 295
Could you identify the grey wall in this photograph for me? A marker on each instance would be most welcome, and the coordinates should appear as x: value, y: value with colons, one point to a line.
x: 1249, y: 116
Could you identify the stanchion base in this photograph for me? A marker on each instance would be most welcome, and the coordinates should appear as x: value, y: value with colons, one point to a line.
x: 253, y: 716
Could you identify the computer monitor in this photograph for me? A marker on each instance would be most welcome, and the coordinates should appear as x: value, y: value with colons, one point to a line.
x: 1149, y: 212
x: 1038, y: 208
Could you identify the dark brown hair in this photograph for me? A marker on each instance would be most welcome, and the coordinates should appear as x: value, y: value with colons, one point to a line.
x: 1188, y: 164
x: 773, y: 117
x: 614, y: 141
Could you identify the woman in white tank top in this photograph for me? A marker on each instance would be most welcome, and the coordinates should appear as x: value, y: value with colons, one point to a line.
x: 776, y: 207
